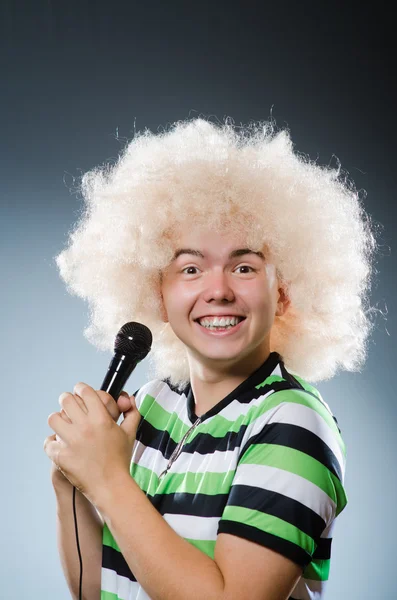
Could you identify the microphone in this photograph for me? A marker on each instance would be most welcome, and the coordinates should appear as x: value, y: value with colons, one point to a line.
x: 133, y: 343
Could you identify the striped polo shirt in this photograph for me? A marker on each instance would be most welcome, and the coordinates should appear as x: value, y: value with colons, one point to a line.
x: 266, y: 464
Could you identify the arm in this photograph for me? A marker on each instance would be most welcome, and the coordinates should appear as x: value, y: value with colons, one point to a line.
x: 89, y: 524
x: 90, y: 539
x: 170, y: 568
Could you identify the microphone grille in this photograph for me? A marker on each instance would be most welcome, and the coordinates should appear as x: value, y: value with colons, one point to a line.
x: 134, y: 339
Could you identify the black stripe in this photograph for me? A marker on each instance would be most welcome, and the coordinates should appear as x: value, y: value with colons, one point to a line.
x: 253, y: 394
x: 298, y: 438
x: 197, y: 505
x: 323, y: 550
x: 284, y: 547
x: 113, y: 559
x: 203, y: 443
x: 278, y: 505
x: 156, y: 438
x: 283, y: 434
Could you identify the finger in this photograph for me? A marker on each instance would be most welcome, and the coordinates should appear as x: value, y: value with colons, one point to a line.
x: 65, y: 416
x: 52, y: 448
x: 81, y: 403
x: 92, y: 400
x: 73, y: 407
x: 60, y: 426
x: 124, y: 402
x: 110, y: 404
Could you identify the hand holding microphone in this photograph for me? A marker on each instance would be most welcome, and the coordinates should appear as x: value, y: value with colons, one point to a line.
x: 115, y: 409
x: 86, y: 445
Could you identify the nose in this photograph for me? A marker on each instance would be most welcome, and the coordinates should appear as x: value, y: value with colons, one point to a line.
x: 218, y: 287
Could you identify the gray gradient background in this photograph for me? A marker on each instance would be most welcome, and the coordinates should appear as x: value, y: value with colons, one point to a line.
x: 76, y: 76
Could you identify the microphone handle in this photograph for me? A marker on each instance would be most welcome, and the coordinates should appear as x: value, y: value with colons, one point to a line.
x: 119, y: 370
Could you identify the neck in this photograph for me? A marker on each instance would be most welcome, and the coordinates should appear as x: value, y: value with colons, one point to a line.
x: 212, y: 382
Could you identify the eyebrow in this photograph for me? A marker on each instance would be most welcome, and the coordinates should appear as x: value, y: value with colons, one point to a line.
x: 233, y: 254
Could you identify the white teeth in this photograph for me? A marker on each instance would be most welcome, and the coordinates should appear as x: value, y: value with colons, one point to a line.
x: 219, y: 322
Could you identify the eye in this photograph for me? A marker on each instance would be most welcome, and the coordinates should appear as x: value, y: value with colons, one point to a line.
x: 186, y: 268
x: 246, y: 267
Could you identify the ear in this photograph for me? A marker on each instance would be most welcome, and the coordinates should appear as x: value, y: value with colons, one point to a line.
x: 283, y: 301
x: 163, y: 310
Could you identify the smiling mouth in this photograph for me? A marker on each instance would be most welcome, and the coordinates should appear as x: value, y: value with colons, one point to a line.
x: 220, y: 327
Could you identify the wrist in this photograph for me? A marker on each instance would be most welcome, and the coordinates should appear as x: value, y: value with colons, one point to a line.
x: 108, y: 495
x: 59, y: 481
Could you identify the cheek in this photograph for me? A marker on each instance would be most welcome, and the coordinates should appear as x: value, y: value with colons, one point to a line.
x: 178, y: 299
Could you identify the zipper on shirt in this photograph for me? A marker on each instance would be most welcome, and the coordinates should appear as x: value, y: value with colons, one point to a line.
x: 178, y: 449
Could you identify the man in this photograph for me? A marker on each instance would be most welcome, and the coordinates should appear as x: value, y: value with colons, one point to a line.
x: 237, y: 465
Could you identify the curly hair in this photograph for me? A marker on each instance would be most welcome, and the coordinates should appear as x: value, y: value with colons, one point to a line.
x: 248, y: 179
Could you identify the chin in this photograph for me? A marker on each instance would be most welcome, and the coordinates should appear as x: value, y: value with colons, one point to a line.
x: 217, y: 354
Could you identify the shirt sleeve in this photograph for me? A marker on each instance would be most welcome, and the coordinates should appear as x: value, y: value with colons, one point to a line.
x: 288, y: 485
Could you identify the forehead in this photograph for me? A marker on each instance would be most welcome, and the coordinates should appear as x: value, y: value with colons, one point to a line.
x: 205, y: 239
x: 208, y: 244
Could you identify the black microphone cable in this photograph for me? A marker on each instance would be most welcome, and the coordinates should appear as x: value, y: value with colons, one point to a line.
x: 133, y: 343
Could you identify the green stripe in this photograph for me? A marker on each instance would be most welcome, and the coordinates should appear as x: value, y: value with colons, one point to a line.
x: 293, y: 461
x: 269, y: 524
x: 269, y: 381
x: 108, y: 596
x: 317, y: 570
x: 197, y: 483
x: 308, y: 387
x: 341, y: 495
x: 191, y: 483
x: 147, y: 480
x: 108, y: 539
x: 206, y: 546
x: 161, y: 419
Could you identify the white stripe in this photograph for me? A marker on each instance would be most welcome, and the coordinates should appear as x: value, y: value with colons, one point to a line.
x: 196, y: 528
x: 149, y: 387
x: 170, y: 401
x: 149, y: 458
x: 122, y: 587
x: 328, y: 531
x: 217, y: 462
x: 308, y: 589
x: 290, y: 485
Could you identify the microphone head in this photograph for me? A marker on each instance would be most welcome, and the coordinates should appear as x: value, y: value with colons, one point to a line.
x: 134, y: 339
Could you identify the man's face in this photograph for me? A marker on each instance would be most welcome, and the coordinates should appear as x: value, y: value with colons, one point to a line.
x: 220, y: 284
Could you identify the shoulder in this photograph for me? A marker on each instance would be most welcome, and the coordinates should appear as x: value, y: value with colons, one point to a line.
x: 157, y: 391
x: 302, y: 404
x: 289, y: 397
x: 294, y: 427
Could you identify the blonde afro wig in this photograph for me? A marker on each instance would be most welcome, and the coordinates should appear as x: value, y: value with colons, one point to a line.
x: 245, y: 179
